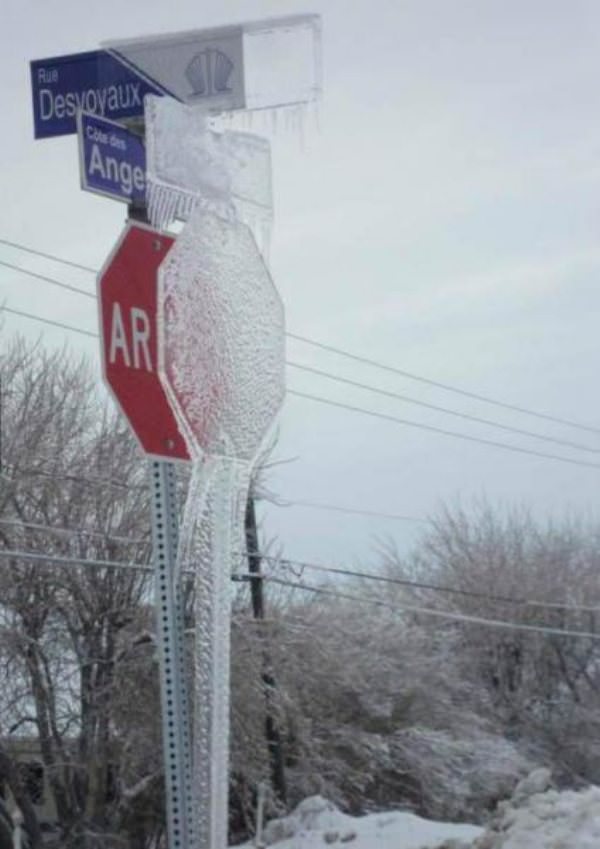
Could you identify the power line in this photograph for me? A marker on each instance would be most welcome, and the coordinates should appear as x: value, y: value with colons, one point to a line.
x: 62, y: 531
x: 467, y: 416
x: 433, y: 429
x: 399, y: 608
x: 49, y: 321
x: 421, y: 425
x: 287, y: 563
x: 318, y: 505
x: 438, y: 384
x: 284, y: 562
x: 52, y: 559
x: 46, y: 279
x: 54, y: 258
x: 433, y: 612
x: 356, y: 357
x: 76, y: 479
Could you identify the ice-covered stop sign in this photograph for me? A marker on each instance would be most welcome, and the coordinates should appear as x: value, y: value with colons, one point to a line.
x: 221, y: 338
x: 127, y: 296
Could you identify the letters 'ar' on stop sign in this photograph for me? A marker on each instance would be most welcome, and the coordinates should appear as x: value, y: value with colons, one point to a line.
x: 127, y: 296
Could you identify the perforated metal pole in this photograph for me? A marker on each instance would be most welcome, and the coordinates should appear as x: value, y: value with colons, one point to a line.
x: 173, y: 690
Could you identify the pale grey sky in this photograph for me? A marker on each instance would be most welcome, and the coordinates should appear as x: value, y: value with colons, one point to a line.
x: 444, y: 219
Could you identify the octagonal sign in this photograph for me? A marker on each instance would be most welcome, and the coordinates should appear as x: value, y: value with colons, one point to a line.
x: 127, y: 294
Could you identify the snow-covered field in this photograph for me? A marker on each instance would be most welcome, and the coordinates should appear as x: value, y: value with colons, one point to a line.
x: 317, y: 823
x: 536, y: 817
x: 541, y: 818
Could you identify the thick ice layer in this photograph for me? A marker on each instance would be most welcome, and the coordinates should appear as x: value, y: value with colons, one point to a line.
x: 211, y: 531
x: 188, y: 164
x: 221, y: 355
x: 220, y: 338
x: 282, y: 62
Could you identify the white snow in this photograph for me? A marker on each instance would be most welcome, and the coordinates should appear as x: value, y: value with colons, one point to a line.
x: 534, y: 818
x: 551, y: 820
x: 317, y: 823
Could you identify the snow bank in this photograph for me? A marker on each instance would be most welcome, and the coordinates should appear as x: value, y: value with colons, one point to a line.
x: 540, y: 818
x: 317, y: 823
x: 535, y: 817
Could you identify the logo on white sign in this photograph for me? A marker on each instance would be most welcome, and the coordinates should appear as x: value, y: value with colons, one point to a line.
x: 208, y: 73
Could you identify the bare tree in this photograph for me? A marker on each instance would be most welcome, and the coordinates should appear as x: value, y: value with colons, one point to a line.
x: 73, y: 489
x: 503, y: 565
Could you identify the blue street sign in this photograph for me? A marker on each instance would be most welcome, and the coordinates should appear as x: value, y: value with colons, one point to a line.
x: 93, y: 82
x: 112, y: 159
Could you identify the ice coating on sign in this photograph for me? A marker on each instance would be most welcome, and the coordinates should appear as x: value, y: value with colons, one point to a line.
x: 189, y: 165
x: 282, y: 62
x: 221, y: 338
x: 221, y: 361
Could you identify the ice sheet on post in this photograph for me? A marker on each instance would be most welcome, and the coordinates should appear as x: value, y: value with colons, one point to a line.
x: 221, y: 361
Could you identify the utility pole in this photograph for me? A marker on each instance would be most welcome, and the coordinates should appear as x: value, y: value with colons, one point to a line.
x: 272, y: 733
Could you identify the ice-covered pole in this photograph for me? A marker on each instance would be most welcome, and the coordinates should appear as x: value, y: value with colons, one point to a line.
x: 221, y: 361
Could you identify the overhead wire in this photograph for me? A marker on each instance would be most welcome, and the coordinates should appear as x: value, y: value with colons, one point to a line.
x: 434, y: 429
x: 47, y: 279
x: 56, y: 559
x: 467, y: 416
x: 422, y: 425
x: 60, y: 530
x: 52, y: 257
x: 285, y: 562
x: 65, y: 562
x: 362, y: 359
x: 438, y: 384
x: 436, y: 613
x: 353, y: 511
x: 51, y: 321
x: 373, y: 413
x: 334, y: 377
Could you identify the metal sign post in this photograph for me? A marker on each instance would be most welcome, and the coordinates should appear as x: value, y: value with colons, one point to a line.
x: 174, y: 697
x: 127, y: 290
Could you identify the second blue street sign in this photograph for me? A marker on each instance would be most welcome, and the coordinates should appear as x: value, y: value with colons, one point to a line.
x: 112, y: 159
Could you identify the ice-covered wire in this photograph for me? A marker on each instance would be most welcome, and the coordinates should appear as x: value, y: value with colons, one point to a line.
x: 439, y: 385
x: 71, y: 532
x: 59, y: 560
x: 52, y: 257
x: 506, y: 446
x: 433, y: 612
x: 285, y: 563
x: 47, y: 279
x: 447, y: 411
x: 373, y: 413
x: 365, y: 360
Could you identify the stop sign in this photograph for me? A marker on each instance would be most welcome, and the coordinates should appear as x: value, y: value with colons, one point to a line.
x: 127, y: 291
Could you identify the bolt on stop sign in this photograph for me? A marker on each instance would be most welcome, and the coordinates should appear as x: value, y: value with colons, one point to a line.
x: 127, y: 295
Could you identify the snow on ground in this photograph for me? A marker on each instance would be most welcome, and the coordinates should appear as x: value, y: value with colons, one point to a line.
x: 533, y: 819
x: 317, y: 823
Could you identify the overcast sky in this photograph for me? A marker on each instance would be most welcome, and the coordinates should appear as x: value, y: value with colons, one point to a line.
x: 444, y: 220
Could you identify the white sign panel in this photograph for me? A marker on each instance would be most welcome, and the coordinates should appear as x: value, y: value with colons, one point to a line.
x: 200, y: 67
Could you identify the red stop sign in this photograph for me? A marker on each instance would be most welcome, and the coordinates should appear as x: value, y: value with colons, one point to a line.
x: 127, y: 290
